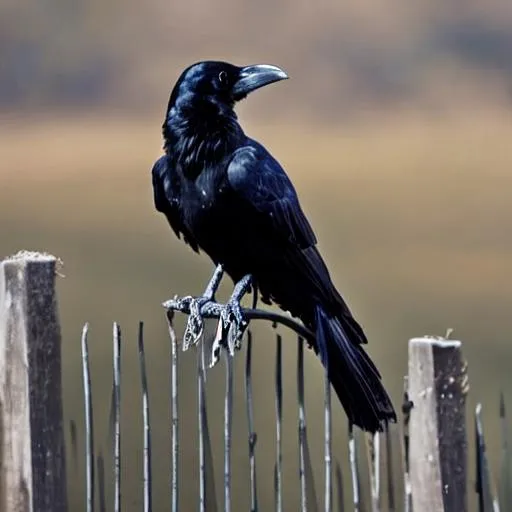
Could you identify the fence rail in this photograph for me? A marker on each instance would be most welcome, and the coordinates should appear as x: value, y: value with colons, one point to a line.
x: 433, y: 447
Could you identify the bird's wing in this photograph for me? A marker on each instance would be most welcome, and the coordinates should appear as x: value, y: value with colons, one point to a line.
x: 167, y: 200
x: 261, y: 181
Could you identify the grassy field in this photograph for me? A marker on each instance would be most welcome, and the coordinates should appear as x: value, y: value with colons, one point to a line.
x: 413, y: 218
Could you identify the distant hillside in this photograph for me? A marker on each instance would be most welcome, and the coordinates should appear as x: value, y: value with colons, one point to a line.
x: 343, y: 56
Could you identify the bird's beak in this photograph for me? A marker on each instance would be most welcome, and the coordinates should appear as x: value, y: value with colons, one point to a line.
x: 251, y: 78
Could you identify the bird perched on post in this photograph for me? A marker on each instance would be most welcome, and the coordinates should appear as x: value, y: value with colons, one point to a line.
x: 226, y: 195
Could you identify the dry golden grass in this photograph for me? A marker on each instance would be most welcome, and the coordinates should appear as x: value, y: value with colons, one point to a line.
x: 413, y: 217
x: 376, y: 145
x: 423, y: 203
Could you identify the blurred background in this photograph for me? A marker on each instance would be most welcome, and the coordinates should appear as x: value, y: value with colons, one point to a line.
x: 406, y: 108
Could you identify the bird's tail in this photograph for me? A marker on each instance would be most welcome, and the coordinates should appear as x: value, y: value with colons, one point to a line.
x: 352, y: 373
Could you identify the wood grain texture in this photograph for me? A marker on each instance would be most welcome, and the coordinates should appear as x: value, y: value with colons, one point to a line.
x: 32, y: 458
x: 438, y: 442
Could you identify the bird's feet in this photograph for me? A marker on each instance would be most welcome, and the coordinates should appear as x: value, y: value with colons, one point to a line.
x: 232, y: 324
x: 196, y: 307
x: 195, y: 322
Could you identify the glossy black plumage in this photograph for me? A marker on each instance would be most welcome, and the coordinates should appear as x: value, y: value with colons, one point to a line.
x: 226, y: 195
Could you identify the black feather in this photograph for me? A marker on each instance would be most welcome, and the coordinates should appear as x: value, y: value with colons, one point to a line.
x: 228, y: 196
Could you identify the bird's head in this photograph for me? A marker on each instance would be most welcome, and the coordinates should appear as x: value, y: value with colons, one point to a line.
x: 200, y: 122
x: 220, y: 84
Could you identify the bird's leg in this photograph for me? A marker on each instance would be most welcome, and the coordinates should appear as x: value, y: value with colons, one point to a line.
x: 232, y: 323
x: 195, y: 305
x: 232, y: 317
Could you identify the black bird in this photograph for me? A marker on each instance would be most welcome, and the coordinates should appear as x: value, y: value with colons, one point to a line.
x: 226, y: 195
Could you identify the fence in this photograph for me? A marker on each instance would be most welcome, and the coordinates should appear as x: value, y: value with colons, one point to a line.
x: 432, y: 429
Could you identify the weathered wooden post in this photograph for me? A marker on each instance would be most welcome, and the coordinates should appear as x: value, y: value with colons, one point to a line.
x: 438, y: 444
x: 32, y: 457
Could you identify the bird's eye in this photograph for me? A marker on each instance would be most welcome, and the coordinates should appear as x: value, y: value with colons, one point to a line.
x: 223, y: 77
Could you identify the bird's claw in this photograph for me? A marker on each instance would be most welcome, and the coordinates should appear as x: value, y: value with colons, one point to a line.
x: 195, y: 322
x: 230, y: 330
x: 196, y: 307
x: 234, y: 323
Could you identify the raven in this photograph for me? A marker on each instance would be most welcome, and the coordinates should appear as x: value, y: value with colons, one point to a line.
x: 227, y: 196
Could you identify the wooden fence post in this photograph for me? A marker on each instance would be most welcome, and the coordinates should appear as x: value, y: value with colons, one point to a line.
x: 437, y: 428
x: 32, y: 456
